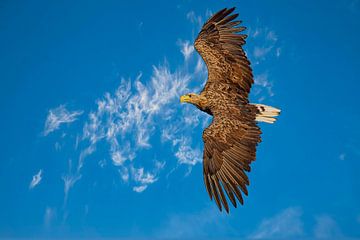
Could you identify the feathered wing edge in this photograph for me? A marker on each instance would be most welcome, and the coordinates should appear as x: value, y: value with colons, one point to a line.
x: 227, y: 160
x: 220, y: 45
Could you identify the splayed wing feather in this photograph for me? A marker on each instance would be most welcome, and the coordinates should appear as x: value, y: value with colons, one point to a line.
x: 230, y: 147
x: 221, y: 48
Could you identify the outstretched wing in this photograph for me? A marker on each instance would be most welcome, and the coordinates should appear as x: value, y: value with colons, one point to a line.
x: 229, y: 148
x: 221, y: 48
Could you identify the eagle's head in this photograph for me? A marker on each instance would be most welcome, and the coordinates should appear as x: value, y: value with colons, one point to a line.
x: 198, y: 100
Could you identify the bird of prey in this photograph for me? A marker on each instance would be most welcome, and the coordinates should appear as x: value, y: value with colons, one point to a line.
x: 230, y: 140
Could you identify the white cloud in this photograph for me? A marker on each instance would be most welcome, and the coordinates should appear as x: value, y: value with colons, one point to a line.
x: 70, y: 178
x: 102, y: 163
x: 200, y: 66
x: 326, y: 228
x: 263, y: 81
x: 186, y: 154
x: 118, y: 158
x: 271, y: 36
x: 264, y: 44
x: 139, y: 189
x: 143, y: 178
x: 128, y: 112
x: 69, y: 181
x: 263, y: 47
x: 208, y: 13
x: 57, y: 146
x: 126, y: 122
x: 198, y: 225
x: 49, y: 216
x: 286, y: 224
x: 83, y: 154
x: 36, y: 179
x: 124, y: 174
x: 195, y: 19
x: 278, y: 52
x: 184, y: 151
x: 186, y: 48
x: 58, y: 116
x: 261, y: 52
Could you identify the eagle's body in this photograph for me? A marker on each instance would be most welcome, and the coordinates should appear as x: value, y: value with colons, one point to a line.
x: 230, y: 140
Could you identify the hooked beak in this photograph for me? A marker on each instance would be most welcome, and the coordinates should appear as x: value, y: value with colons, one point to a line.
x: 184, y: 98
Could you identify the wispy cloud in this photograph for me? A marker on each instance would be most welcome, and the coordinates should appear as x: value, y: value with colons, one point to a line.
x: 262, y: 80
x: 49, y: 216
x: 36, y: 179
x: 70, y: 178
x: 326, y: 228
x: 58, y: 116
x: 143, y: 179
x: 140, y: 189
x: 186, y: 48
x: 286, y: 224
x: 197, y: 20
x: 124, y: 174
x: 198, y: 225
x: 261, y: 52
x: 271, y: 36
x: 127, y: 121
x: 186, y: 154
x: 263, y: 47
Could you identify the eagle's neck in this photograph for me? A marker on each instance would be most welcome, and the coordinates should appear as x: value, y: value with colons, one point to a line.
x: 203, y: 104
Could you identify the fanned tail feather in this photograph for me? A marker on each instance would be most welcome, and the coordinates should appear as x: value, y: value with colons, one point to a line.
x: 266, y: 113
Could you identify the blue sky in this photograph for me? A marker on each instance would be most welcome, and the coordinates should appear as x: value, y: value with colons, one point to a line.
x: 95, y: 142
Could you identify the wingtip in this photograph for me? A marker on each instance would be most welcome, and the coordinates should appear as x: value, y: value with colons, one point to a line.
x: 227, y: 211
x: 229, y: 11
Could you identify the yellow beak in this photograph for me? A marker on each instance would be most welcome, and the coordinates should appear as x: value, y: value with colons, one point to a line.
x: 184, y: 98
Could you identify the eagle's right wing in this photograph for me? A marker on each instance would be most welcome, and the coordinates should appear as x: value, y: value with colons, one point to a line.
x: 221, y: 48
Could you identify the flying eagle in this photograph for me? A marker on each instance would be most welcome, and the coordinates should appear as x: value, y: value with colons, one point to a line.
x: 230, y: 140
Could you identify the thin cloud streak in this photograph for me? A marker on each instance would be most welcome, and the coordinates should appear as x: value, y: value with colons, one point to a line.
x: 59, y: 116
x: 49, y: 216
x: 195, y: 225
x: 126, y: 121
x: 327, y: 228
x: 286, y: 224
x: 186, y: 48
x: 36, y: 179
x: 197, y: 20
x: 265, y: 47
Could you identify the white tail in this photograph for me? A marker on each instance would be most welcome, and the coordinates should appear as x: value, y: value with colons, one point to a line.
x: 267, y: 114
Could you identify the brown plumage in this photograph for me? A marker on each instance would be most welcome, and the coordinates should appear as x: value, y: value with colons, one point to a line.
x: 231, y: 139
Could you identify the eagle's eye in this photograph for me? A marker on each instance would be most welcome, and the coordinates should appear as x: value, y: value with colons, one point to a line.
x: 189, y: 95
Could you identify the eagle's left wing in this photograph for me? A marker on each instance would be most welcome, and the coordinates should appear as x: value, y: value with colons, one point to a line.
x: 229, y: 148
